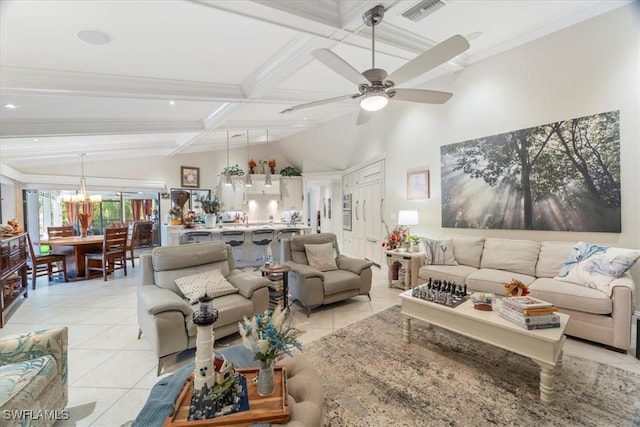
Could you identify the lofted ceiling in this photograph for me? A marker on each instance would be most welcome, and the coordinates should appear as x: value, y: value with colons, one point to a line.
x: 177, y: 74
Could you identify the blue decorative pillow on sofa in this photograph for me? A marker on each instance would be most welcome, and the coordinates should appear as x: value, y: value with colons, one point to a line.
x: 596, y: 266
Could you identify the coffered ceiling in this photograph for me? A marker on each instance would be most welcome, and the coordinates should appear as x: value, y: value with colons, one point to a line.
x: 175, y: 75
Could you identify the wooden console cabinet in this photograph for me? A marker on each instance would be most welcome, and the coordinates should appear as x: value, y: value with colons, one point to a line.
x: 13, y: 272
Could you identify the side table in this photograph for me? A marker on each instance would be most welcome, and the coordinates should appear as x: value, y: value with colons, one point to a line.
x: 276, y: 273
x: 405, y: 259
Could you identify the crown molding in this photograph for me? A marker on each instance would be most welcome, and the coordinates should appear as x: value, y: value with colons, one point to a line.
x: 11, y: 173
x: 111, y: 184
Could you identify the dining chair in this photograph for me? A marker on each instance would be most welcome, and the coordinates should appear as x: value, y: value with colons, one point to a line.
x: 45, y: 265
x: 61, y: 231
x: 113, y: 256
x: 132, y: 232
x: 144, y: 233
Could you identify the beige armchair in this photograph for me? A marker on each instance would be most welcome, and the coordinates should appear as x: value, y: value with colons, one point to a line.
x: 311, y: 287
x: 33, y: 375
x: 165, y: 317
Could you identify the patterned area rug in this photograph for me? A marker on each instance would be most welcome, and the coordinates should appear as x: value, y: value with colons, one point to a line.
x: 371, y: 378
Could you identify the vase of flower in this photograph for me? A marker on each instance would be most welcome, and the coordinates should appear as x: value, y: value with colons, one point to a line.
x: 269, y: 335
x: 210, y: 220
x: 266, y: 378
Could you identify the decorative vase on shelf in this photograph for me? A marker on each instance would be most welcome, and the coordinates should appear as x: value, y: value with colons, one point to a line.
x: 251, y: 171
x: 266, y: 378
x: 273, y: 171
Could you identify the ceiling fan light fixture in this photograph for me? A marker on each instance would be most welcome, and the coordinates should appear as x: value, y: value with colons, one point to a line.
x: 374, y: 101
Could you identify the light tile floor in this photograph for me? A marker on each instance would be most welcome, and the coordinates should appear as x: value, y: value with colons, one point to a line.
x: 111, y: 372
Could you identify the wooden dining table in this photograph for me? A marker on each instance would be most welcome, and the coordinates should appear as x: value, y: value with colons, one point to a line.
x: 75, y: 248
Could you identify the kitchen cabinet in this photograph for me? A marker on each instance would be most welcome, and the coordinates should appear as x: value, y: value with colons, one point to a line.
x: 258, y: 191
x: 291, y: 192
x: 366, y: 186
x: 233, y: 196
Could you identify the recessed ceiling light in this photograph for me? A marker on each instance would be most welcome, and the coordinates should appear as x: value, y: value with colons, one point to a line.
x: 11, y: 106
x: 35, y: 139
x: 305, y: 118
x: 94, y: 36
x: 172, y: 102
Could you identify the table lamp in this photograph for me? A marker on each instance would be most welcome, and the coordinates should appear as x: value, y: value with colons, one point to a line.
x: 408, y: 218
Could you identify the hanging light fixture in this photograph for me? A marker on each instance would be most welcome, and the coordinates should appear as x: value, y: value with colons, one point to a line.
x: 82, y: 195
x: 227, y: 178
x: 248, y: 182
x: 267, y: 177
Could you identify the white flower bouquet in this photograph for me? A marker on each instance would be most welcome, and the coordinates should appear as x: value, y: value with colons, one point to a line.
x: 269, y: 335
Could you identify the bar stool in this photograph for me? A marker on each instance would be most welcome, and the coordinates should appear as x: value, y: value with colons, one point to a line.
x: 233, y: 238
x: 262, y: 238
x: 197, y: 236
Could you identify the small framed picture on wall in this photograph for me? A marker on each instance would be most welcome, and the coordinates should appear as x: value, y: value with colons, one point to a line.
x: 418, y: 184
x: 190, y: 176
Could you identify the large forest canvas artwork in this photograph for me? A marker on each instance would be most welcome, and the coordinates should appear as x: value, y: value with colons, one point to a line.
x: 561, y: 176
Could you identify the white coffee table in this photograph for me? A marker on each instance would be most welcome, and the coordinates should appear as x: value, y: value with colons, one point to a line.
x: 543, y: 346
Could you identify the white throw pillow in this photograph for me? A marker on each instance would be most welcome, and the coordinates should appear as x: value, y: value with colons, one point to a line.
x: 595, y: 266
x: 321, y: 256
x: 210, y: 282
x: 439, y: 252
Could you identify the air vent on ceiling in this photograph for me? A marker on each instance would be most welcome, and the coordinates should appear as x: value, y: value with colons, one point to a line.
x: 422, y: 9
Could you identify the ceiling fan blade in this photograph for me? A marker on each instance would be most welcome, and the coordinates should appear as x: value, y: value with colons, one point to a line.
x: 363, y: 117
x: 322, y: 101
x: 430, y: 59
x: 339, y: 65
x: 422, y: 95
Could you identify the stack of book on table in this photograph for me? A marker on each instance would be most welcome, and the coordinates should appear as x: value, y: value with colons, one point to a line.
x: 530, y: 313
x: 276, y: 294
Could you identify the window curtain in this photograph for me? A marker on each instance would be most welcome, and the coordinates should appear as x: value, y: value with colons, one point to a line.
x: 136, y: 207
x: 73, y: 208
x: 72, y: 212
x: 148, y: 208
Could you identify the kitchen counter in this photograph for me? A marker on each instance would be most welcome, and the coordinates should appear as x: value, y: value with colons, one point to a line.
x: 171, y: 234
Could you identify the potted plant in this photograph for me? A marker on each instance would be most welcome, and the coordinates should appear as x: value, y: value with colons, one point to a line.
x: 211, y: 209
x: 414, y: 242
x: 234, y: 170
x: 252, y: 164
x: 290, y: 171
x: 272, y: 165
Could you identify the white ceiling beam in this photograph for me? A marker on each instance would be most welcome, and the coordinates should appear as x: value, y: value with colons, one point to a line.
x: 32, y: 129
x: 20, y: 80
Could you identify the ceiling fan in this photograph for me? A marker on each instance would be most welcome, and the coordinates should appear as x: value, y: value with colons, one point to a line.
x: 375, y: 87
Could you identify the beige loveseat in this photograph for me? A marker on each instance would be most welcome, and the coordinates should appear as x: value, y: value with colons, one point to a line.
x: 165, y: 317
x: 487, y: 264
x: 312, y: 287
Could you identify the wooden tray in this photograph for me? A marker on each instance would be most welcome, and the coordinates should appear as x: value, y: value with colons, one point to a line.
x: 272, y: 408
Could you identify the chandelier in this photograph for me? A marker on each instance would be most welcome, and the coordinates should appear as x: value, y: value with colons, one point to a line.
x: 82, y: 195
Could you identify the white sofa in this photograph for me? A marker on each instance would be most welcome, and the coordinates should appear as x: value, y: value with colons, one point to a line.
x: 487, y: 264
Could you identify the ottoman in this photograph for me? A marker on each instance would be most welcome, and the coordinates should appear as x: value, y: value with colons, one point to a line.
x: 304, y: 389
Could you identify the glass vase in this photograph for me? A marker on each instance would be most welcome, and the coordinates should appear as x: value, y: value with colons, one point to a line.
x: 266, y: 378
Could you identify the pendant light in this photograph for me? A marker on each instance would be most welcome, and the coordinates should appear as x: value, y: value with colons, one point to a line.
x: 227, y: 178
x: 267, y: 177
x: 248, y: 182
x: 82, y: 195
